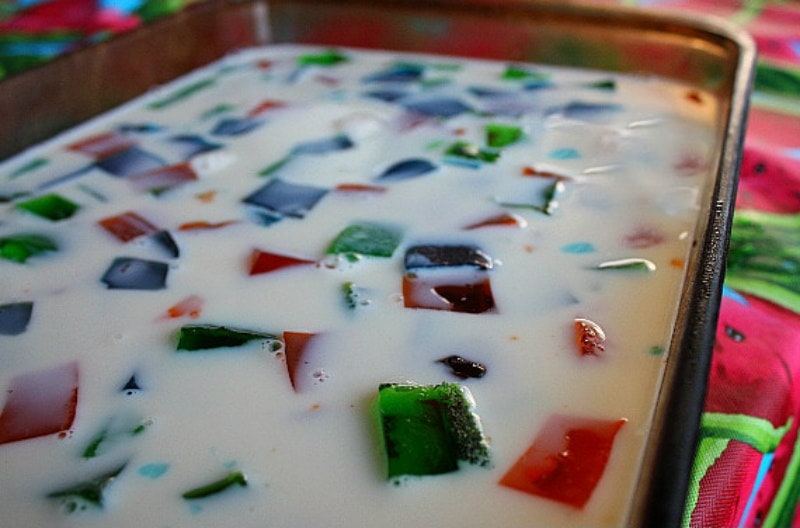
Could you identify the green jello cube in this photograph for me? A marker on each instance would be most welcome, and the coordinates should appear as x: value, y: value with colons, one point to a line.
x: 367, y: 239
x: 355, y: 296
x: 499, y: 135
x: 605, y: 84
x: 181, y: 93
x: 468, y: 151
x: 115, y: 431
x: 518, y: 73
x: 50, y: 206
x: 326, y: 58
x: 234, y: 478
x: 30, y: 167
x: 429, y: 429
x: 205, y: 337
x: 19, y: 248
x: 88, y: 493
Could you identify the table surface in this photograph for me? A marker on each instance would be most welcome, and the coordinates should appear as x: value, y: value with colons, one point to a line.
x: 747, y: 469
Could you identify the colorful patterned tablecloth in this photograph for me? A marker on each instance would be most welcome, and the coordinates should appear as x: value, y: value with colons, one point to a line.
x: 747, y: 470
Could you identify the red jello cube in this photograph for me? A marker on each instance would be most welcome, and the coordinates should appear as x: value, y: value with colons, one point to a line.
x: 40, y: 403
x: 566, y: 460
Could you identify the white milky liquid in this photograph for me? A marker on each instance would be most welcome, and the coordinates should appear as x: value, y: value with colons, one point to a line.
x: 314, y: 457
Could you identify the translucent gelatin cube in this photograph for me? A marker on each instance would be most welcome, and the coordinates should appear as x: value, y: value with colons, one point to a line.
x: 204, y: 337
x: 264, y: 218
x: 127, y: 273
x: 295, y: 346
x: 103, y: 145
x: 29, y: 167
x: 186, y: 146
x: 14, y: 317
x: 19, y: 248
x: 520, y: 73
x: 289, y: 199
x: 127, y: 226
x: 234, y: 478
x: 491, y: 93
x: 266, y: 106
x: 276, y: 166
x: 566, y: 460
x: 587, y: 111
x: 436, y: 256
x: 589, y: 337
x: 163, y: 178
x: 630, y: 264
x: 499, y: 220
x: 165, y: 241
x: 181, y: 94
x: 359, y: 188
x: 236, y: 126
x: 443, y: 107
x: 463, y: 150
x: 368, y: 239
x: 406, y: 169
x: 324, y: 145
x: 603, y: 84
x: 397, y: 73
x: 118, y: 429
x: 50, y: 206
x: 128, y: 162
x: 131, y: 386
x: 463, y: 367
x: 325, y: 58
x: 388, y: 96
x: 355, y: 296
x: 202, y: 225
x: 643, y: 237
x: 140, y: 128
x: 429, y: 429
x: 190, y: 306
x: 40, y: 403
x: 87, y: 493
x: 66, y: 178
x: 500, y: 135
x: 265, y: 262
x: 448, y: 293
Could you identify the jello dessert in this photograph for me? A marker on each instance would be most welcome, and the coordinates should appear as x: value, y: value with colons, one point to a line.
x: 325, y: 287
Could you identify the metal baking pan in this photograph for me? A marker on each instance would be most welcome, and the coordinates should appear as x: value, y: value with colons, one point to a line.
x: 42, y: 102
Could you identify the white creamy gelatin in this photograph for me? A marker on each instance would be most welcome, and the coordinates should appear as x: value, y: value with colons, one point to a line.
x: 545, y: 200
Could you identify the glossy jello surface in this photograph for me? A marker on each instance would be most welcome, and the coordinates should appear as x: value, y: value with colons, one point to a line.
x: 338, y: 287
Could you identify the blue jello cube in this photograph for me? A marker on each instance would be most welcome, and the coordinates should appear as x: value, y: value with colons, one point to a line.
x: 407, y: 168
x: 437, y: 256
x: 14, y: 317
x: 127, y: 273
x: 388, y: 96
x: 186, y: 146
x: 130, y: 161
x: 323, y: 146
x: 236, y: 126
x: 288, y: 199
x: 437, y: 106
x: 402, y: 73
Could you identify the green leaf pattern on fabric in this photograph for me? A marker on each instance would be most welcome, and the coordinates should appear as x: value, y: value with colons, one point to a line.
x: 717, y: 430
x: 764, y: 257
